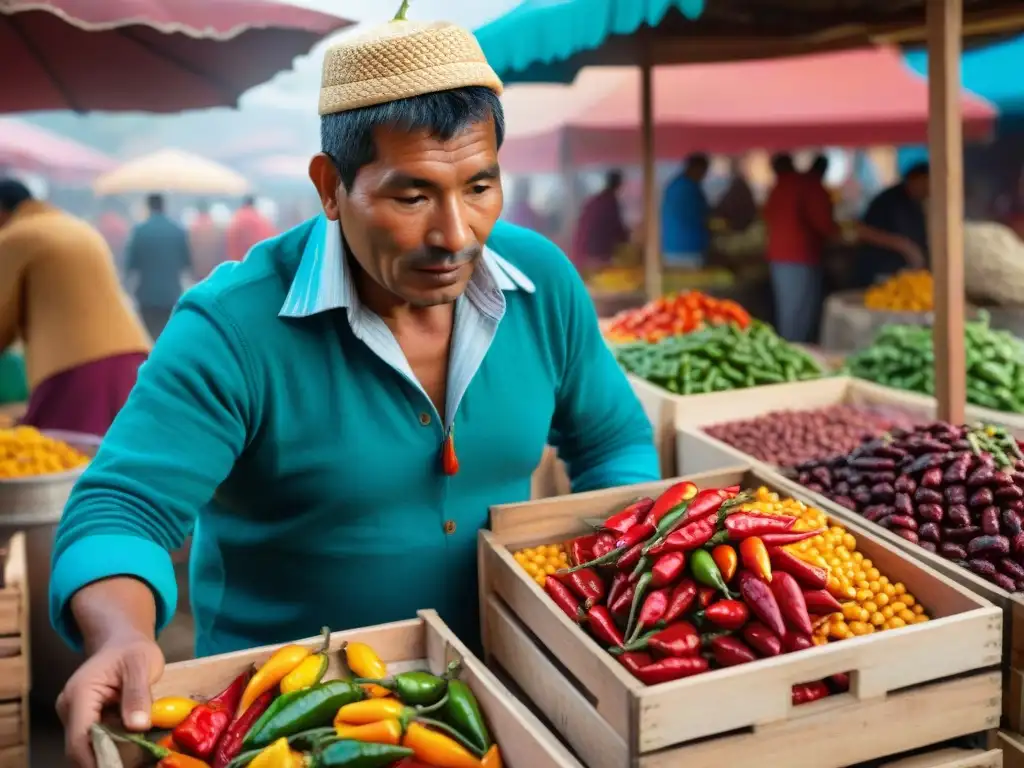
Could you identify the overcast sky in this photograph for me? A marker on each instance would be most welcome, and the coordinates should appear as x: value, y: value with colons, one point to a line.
x: 298, y: 89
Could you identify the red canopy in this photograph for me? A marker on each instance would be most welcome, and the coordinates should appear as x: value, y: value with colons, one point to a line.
x: 26, y: 147
x: 147, y: 55
x: 853, y: 98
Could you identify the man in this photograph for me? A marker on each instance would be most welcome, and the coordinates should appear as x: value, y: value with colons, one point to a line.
x: 60, y: 294
x: 684, y: 216
x: 522, y: 212
x: 600, y: 230
x: 894, y: 231
x: 798, y: 218
x: 333, y: 416
x: 206, y: 242
x: 737, y: 205
x: 158, y: 260
x: 248, y: 227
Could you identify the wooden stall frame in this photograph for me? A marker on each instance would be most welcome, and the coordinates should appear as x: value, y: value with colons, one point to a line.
x: 14, y: 657
x: 613, y: 720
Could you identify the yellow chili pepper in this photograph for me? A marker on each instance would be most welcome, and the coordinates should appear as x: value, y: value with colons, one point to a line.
x: 369, y: 711
x: 493, y: 758
x: 278, y: 755
x: 438, y: 750
x: 309, y: 672
x: 375, y: 691
x: 170, y: 711
x: 364, y: 661
x: 380, y: 732
x: 283, y: 661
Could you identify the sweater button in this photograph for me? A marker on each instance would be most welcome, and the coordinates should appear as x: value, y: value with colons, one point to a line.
x: 449, y: 527
x: 425, y: 419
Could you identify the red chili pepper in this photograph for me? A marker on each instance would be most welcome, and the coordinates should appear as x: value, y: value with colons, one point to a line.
x: 759, y: 598
x: 638, y: 534
x: 653, y: 611
x: 681, y: 599
x: 705, y: 504
x: 679, y: 639
x: 230, y: 746
x: 804, y: 693
x: 730, y: 492
x: 563, y: 598
x: 671, y: 499
x: 638, y: 599
x: 726, y: 560
x: 605, y: 544
x: 687, y: 538
x: 201, y: 731
x: 744, y: 524
x: 820, y: 602
x: 791, y: 602
x: 635, y: 660
x: 754, y: 556
x: 630, y: 515
x: 630, y: 558
x: 706, y: 596
x: 839, y: 682
x: 784, y: 539
x: 586, y: 584
x: 671, y: 668
x: 581, y: 549
x: 602, y: 625
x: 730, y: 651
x: 811, y: 576
x: 727, y: 614
x: 620, y: 607
x: 619, y: 582
x: 793, y: 641
x: 667, y: 568
x: 762, y: 639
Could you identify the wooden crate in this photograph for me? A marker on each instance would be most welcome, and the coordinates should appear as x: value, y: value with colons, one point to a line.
x: 698, y: 451
x: 950, y: 757
x: 612, y: 720
x: 550, y: 478
x: 1012, y: 745
x: 1012, y: 604
x: 420, y: 643
x: 14, y: 647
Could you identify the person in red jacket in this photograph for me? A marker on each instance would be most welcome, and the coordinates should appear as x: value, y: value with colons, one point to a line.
x: 247, y: 228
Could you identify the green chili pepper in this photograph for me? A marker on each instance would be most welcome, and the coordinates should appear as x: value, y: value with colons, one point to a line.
x: 462, y: 712
x: 418, y: 689
x: 704, y: 570
x: 993, y: 373
x: 311, y: 708
x: 356, y: 754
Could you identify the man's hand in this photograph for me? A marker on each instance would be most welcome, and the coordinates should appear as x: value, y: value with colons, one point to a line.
x: 122, y: 669
x: 913, y: 255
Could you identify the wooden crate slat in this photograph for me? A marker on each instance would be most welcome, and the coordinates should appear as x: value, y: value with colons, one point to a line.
x: 14, y: 757
x: 951, y: 758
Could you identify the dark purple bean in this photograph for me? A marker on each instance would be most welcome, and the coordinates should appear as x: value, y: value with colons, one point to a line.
x: 958, y: 516
x: 903, y: 521
x: 930, y: 546
x: 854, y: 479
x: 905, y: 484
x: 1011, y: 524
x: 873, y: 464
x: 823, y: 476
x: 927, y: 496
x: 931, y: 512
x: 1009, y: 493
x: 961, y: 535
x: 804, y: 477
x: 1005, y: 582
x: 1016, y: 505
x: 845, y: 501
x: 1002, y: 479
x: 929, y: 532
x: 952, y: 551
x: 981, y: 476
x: 1018, y: 477
x: 816, y: 487
x: 910, y: 536
x: 934, y: 446
x: 990, y: 521
x: 956, y: 472
x: 980, y: 498
x: 982, y: 567
x: 842, y: 488
x: 955, y: 494
x: 903, y: 505
x: 883, y: 492
x: 1011, y: 568
x: 987, y: 545
x: 874, y: 478
x: 876, y: 512
x: 932, y: 478
x: 1018, y: 544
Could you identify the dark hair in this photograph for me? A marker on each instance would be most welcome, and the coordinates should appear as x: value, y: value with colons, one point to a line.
x: 248, y: 201
x: 782, y: 162
x: 347, y: 137
x: 12, y: 194
x: 155, y: 203
x: 917, y: 169
x: 697, y: 160
x: 820, y: 165
x: 613, y: 179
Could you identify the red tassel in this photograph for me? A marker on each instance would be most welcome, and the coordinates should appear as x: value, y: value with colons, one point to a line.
x: 449, y: 459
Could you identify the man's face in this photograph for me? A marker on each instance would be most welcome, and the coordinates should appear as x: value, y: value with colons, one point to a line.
x: 917, y: 185
x: 417, y: 217
x: 5, y: 216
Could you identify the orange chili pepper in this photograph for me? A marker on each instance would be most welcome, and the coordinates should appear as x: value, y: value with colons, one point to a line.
x: 375, y: 691
x: 755, y: 558
x: 492, y: 759
x: 437, y: 749
x: 381, y: 732
x: 726, y: 560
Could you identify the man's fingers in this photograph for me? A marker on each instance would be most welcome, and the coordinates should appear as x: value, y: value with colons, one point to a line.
x: 136, y: 699
x: 83, y: 711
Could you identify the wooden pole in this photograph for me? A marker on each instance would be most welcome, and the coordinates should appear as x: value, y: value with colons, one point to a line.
x: 652, y: 206
x: 946, y: 204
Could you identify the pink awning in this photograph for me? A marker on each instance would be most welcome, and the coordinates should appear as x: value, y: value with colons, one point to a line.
x: 853, y: 98
x: 26, y: 147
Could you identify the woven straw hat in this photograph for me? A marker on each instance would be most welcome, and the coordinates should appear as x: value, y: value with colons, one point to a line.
x: 401, y: 59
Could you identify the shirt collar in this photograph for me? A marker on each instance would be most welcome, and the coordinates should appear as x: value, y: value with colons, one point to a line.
x: 323, y: 282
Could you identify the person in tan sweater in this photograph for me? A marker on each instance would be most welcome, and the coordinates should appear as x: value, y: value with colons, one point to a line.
x: 60, y: 295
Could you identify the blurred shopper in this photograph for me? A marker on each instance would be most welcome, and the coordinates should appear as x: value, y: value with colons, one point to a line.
x: 684, y: 216
x: 799, y: 219
x: 60, y: 294
x: 600, y: 230
x: 115, y: 228
x: 737, y: 206
x: 207, y: 242
x: 157, y: 263
x: 521, y: 212
x: 248, y: 227
x: 894, y: 232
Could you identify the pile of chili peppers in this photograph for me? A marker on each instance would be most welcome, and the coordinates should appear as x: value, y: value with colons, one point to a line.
x: 688, y: 582
x: 284, y: 715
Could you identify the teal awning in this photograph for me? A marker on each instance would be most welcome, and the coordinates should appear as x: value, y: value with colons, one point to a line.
x: 543, y: 40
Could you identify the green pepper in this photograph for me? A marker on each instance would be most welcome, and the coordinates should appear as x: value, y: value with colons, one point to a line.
x: 310, y: 708
x: 993, y: 373
x: 462, y: 712
x: 419, y: 689
x: 704, y: 570
x: 732, y: 373
x: 356, y: 754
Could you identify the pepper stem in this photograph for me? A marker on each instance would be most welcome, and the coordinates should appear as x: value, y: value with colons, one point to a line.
x: 153, y: 749
x: 427, y: 709
x: 452, y: 734
x: 326, y: 632
x: 453, y: 670
x: 403, y: 9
